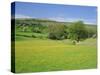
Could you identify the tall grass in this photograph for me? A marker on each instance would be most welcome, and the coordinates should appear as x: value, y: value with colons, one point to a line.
x: 35, y: 55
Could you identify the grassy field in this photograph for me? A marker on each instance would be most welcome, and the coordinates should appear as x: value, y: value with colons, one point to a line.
x: 35, y: 55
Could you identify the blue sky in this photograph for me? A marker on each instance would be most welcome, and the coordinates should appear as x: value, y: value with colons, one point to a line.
x: 62, y: 13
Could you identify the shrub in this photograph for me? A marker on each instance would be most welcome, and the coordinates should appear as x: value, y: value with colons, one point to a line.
x: 33, y: 36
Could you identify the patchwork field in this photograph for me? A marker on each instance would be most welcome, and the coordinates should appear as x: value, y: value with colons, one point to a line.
x: 35, y: 55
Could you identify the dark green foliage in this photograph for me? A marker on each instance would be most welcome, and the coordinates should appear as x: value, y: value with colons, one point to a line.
x: 33, y: 36
x: 77, y: 31
x: 91, y: 32
x: 37, y: 28
x: 56, y: 32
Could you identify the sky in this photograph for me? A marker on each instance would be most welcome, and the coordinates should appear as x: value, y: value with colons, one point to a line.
x: 57, y: 12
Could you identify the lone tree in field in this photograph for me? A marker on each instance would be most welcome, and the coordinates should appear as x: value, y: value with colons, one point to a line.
x: 77, y: 31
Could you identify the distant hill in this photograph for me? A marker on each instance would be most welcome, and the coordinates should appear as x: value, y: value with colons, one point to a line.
x: 44, y: 21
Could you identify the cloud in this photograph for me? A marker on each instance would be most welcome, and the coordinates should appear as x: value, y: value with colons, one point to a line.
x: 62, y: 19
x: 22, y: 16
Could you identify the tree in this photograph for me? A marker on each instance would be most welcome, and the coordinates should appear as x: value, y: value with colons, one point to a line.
x: 37, y: 27
x: 92, y: 32
x: 77, y: 31
x: 56, y: 31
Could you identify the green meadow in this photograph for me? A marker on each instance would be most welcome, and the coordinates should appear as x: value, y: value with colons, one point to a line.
x: 35, y: 55
x: 43, y: 45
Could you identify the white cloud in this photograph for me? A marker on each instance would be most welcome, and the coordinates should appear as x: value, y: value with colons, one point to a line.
x: 22, y: 16
x: 62, y: 19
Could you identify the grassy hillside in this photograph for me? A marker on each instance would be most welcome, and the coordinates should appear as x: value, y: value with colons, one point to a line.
x: 34, y: 55
x: 35, y: 52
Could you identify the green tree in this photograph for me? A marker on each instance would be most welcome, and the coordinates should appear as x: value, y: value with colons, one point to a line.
x: 91, y: 32
x: 56, y: 31
x: 77, y: 31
